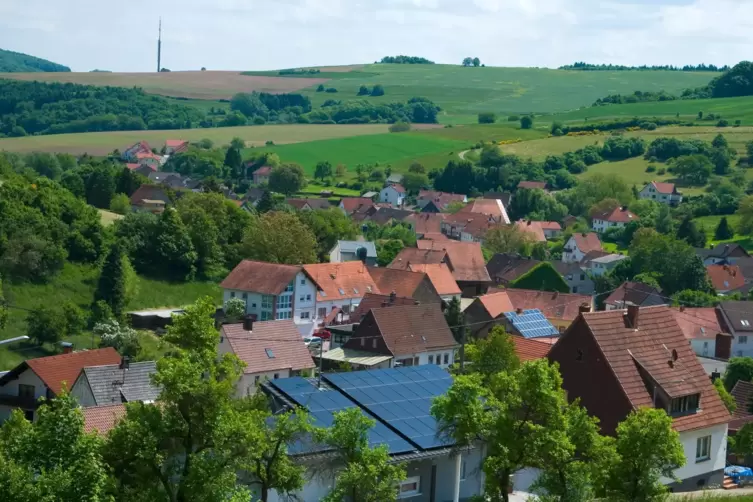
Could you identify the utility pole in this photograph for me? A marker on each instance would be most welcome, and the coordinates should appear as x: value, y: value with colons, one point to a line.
x: 159, y: 47
x: 321, y: 363
x: 462, y: 346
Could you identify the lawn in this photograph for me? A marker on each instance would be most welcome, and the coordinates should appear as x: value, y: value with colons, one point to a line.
x: 102, y: 143
x: 108, y: 217
x: 729, y: 108
x: 76, y: 283
x: 397, y: 150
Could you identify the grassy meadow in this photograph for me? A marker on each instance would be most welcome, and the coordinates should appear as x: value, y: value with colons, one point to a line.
x: 76, y: 283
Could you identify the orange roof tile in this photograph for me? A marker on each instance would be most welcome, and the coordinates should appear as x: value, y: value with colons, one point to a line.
x: 102, y: 419
x: 375, y: 301
x: 426, y: 223
x: 337, y: 281
x: 350, y: 204
x: 665, y: 188
x: 533, y: 228
x: 440, y: 276
x: 698, y: 323
x: 489, y: 207
x: 466, y: 261
x: 565, y: 306
x: 269, y: 346
x: 403, y: 282
x: 528, y: 349
x: 617, y: 215
x: 435, y: 236
x: 725, y: 277
x: 65, y: 368
x: 587, y: 242
x: 496, y: 303
x: 260, y: 277
x: 541, y: 185
x: 418, y: 256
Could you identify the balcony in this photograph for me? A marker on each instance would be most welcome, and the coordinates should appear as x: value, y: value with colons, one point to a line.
x: 28, y: 403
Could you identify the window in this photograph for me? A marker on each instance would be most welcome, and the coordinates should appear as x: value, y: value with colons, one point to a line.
x: 744, y: 322
x: 232, y: 294
x: 582, y: 277
x: 321, y: 313
x: 373, y: 343
x: 303, y: 282
x: 29, y: 415
x: 569, y: 277
x: 302, y: 298
x: 253, y: 305
x: 431, y: 359
x: 289, y: 288
x: 265, y: 316
x: 462, y: 471
x: 284, y: 315
x: 739, y: 353
x: 410, y: 487
x: 345, y: 309
x: 305, y: 315
x: 277, y: 375
x: 270, y: 353
x: 363, y: 342
x: 284, y: 301
x: 308, y: 298
x: 575, y: 289
x: 447, y: 358
x: 245, y: 296
x: 25, y: 391
x: 405, y: 362
x: 685, y: 404
x: 703, y: 449
x: 266, y: 302
x: 743, y: 339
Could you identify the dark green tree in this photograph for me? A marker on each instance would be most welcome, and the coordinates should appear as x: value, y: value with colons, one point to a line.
x: 100, y: 187
x: 173, y: 250
x: 112, y: 287
x: 323, y: 170
x: 363, y: 91
x: 377, y: 90
x: 287, y: 179
x: 234, y: 162
x: 455, y: 319
x: 719, y: 141
x: 739, y: 368
x: 127, y: 182
x: 266, y: 203
x: 664, y: 223
x: 688, y: 232
x: 526, y: 122
x: 723, y: 230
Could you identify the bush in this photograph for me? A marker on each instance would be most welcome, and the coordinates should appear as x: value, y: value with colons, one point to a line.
x: 377, y: 90
x: 259, y: 121
x: 513, y: 118
x: 331, y: 90
x: 738, y: 122
x: 651, y: 169
x: 722, y: 123
x: 320, y: 88
x: 400, y: 127
x: 526, y: 122
x: 487, y: 118
x: 649, y: 126
x: 661, y: 172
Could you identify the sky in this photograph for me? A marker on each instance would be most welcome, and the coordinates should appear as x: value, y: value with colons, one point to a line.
x: 120, y: 35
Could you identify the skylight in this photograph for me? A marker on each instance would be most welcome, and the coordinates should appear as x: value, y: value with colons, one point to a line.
x: 355, y: 290
x: 270, y: 354
x: 744, y: 322
x: 342, y: 292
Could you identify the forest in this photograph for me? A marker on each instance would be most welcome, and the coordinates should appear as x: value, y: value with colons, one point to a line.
x: 16, y: 62
x: 615, y: 67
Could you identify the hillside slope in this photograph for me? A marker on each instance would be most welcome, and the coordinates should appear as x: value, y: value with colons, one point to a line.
x: 16, y: 62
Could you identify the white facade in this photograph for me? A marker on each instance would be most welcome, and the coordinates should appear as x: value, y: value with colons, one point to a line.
x: 651, y: 193
x: 442, y: 358
x: 705, y: 347
x: 82, y: 391
x: 601, y: 266
x: 693, y: 443
x: 27, y: 379
x: 604, y: 225
x: 742, y: 344
x: 574, y: 254
x: 391, y: 195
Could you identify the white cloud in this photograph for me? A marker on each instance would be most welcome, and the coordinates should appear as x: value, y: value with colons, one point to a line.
x: 268, y: 34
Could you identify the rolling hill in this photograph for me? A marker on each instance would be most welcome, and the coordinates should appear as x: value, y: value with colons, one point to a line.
x: 16, y: 62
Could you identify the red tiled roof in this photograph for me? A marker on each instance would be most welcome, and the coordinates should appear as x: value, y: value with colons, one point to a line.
x: 489, y: 207
x: 528, y: 349
x: 398, y: 188
x: 496, y: 303
x: 263, y: 171
x: 651, y: 346
x: 150, y: 155
x: 375, y: 301
x: 410, y: 329
x: 55, y: 370
x: 402, y: 281
x: 665, y: 188
x: 102, y: 419
x: 260, y: 277
x: 550, y: 225
x: 743, y: 394
x: 617, y: 215
x: 337, y: 281
x: 426, y: 223
x: 440, y: 199
x: 698, y: 323
x: 635, y: 292
x: 270, y: 346
x: 432, y: 236
x: 565, y: 306
x: 175, y: 142
x: 440, y: 276
x: 466, y: 259
x: 133, y: 166
x: 419, y: 256
x: 587, y: 242
x: 148, y: 192
x: 533, y: 228
x: 350, y: 204
x: 725, y: 277
x: 541, y: 185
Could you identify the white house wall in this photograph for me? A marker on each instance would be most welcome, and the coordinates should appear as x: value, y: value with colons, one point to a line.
x: 718, y: 452
x: 82, y: 391
x: 704, y: 347
x: 28, y: 377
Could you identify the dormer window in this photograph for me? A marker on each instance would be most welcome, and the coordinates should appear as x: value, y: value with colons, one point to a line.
x: 685, y: 404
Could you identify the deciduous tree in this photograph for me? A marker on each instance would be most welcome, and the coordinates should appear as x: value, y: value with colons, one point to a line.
x: 739, y: 368
x: 323, y: 170
x: 725, y: 396
x: 508, y: 239
x: 279, y: 238
x: 287, y: 179
x: 328, y: 227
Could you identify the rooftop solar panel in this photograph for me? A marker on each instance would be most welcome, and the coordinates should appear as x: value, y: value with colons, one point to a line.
x: 401, y: 397
x: 531, y: 324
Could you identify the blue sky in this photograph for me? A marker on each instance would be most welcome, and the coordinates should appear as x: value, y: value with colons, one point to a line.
x: 120, y: 35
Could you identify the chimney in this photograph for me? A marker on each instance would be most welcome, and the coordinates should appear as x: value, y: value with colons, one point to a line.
x: 393, y: 297
x: 682, y: 308
x: 556, y: 294
x: 67, y: 347
x: 584, y: 308
x: 248, y: 323
x: 632, y: 315
x: 518, y: 311
x: 125, y: 363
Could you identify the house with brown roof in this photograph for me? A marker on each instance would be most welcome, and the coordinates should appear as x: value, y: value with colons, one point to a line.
x: 466, y: 262
x: 636, y: 293
x: 261, y: 175
x: 441, y: 278
x: 149, y: 198
x: 21, y: 387
x: 532, y: 185
x: 468, y: 227
x: 725, y: 278
x: 492, y: 208
x: 175, y: 146
x: 405, y: 283
x: 394, y: 194
x: 270, y: 349
x: 666, y: 193
x: 412, y: 335
x: 617, y: 361
x: 486, y: 312
x: 425, y: 223
x: 377, y: 301
x: 578, y: 245
x: 703, y: 329
x: 430, y: 201
x: 102, y: 419
x: 533, y: 229
x: 504, y: 268
x: 560, y: 309
x: 129, y: 154
x: 349, y: 205
x: 308, y: 204
x: 530, y: 349
x: 742, y: 393
x: 616, y: 218
x: 737, y: 317
x: 149, y: 159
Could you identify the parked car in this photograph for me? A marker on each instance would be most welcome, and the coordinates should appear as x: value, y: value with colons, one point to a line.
x: 312, y: 341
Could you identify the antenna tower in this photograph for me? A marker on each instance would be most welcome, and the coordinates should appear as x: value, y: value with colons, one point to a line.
x: 159, y: 47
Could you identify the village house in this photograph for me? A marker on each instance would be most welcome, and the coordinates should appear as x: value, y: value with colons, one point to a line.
x: 737, y: 317
x: 429, y: 201
x: 364, y: 251
x: 466, y: 262
x: 725, y: 278
x: 425, y: 224
x: 616, y: 218
x: 270, y: 350
x: 493, y: 208
x: 441, y: 278
x: 102, y: 419
x: 175, y: 146
x: 504, y: 268
x: 635, y: 293
x: 349, y: 205
x: 599, y: 263
x: 722, y: 254
x: 576, y: 277
x: 150, y: 159
x: 376, y: 301
x: 530, y: 324
x: 703, y: 329
x: 308, y: 204
x: 435, y: 469
x: 405, y: 283
x: 666, y: 193
x: 116, y: 384
x: 393, y: 194
x: 149, y: 198
x: 129, y: 154
x: 578, y: 245
x: 380, y: 215
x: 142, y: 169
x: 21, y: 387
x: 640, y: 358
x: 261, y: 175
x: 532, y: 185
x: 742, y: 393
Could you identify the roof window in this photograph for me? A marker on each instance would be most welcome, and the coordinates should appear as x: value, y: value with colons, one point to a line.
x: 270, y: 354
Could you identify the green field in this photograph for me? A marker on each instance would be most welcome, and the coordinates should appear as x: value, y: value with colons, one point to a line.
x: 102, y: 143
x: 729, y: 108
x: 108, y: 217
x: 76, y: 284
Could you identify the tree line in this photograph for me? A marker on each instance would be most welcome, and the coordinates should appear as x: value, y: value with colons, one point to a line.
x: 405, y: 60
x: 15, y: 62
x: 612, y: 67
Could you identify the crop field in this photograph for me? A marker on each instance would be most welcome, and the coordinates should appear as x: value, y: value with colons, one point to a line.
x: 394, y: 149
x: 102, y: 143
x: 211, y: 85
x: 729, y: 108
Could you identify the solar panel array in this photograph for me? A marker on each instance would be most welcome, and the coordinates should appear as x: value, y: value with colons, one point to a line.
x: 400, y: 397
x: 531, y: 324
x: 322, y: 404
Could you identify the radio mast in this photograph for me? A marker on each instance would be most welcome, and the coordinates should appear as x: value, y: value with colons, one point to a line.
x: 159, y: 47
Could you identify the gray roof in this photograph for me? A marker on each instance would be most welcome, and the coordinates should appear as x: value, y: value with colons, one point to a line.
x: 370, y: 195
x: 610, y: 258
x: 110, y: 384
x: 739, y: 315
x: 395, y: 178
x: 353, y: 246
x: 712, y: 365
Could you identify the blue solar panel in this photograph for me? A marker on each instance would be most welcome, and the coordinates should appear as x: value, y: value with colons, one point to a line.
x: 322, y: 404
x: 531, y: 324
x: 401, y: 397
